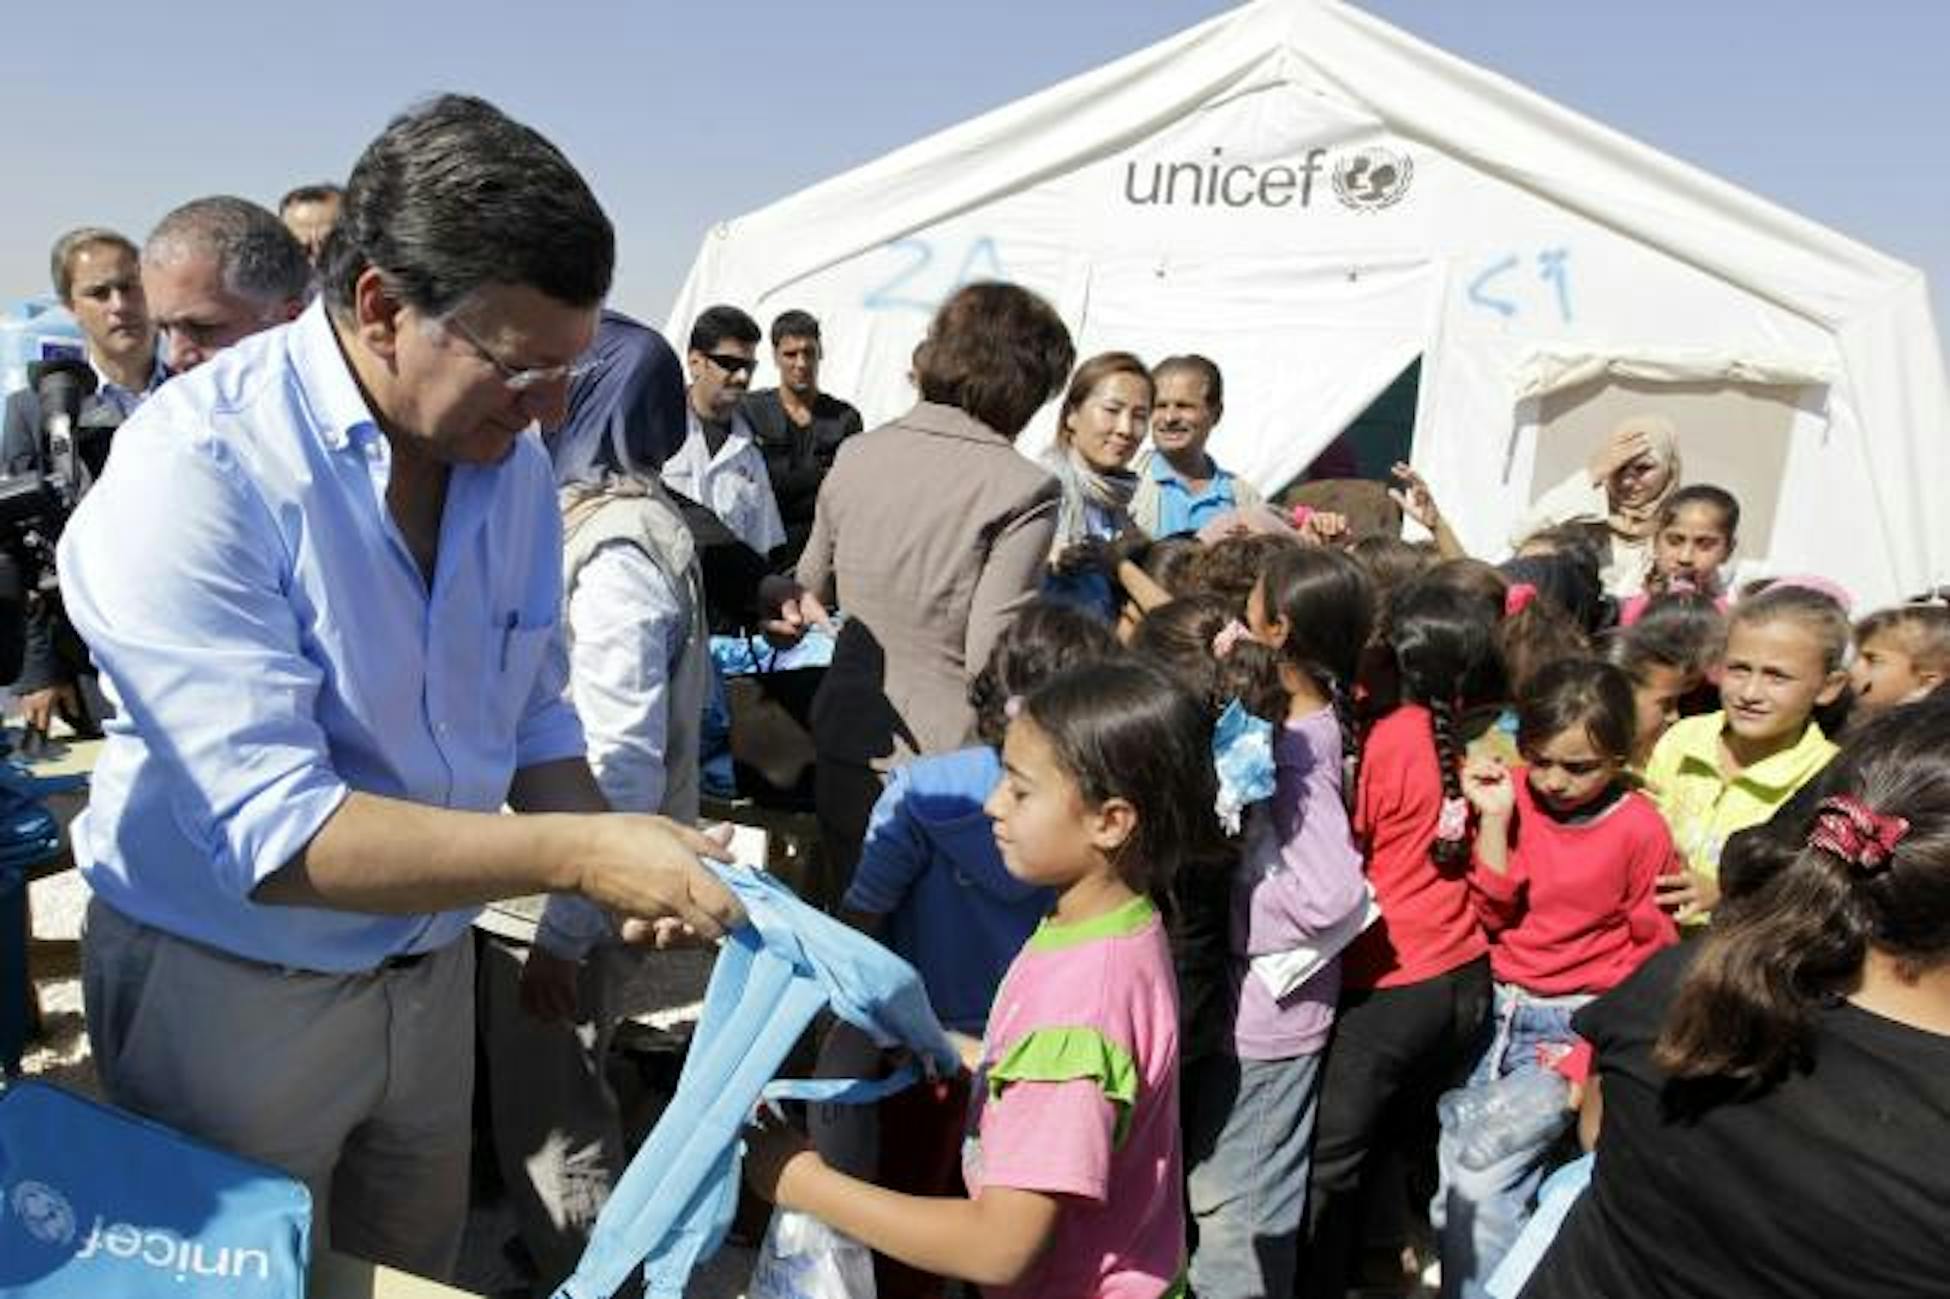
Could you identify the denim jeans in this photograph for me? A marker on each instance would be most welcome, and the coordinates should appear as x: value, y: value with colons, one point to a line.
x: 1249, y: 1127
x: 1478, y: 1212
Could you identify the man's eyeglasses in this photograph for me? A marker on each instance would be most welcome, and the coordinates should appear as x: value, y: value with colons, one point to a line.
x: 732, y: 365
x: 519, y: 380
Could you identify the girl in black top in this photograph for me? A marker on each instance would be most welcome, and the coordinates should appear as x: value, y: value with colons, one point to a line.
x: 1777, y: 1096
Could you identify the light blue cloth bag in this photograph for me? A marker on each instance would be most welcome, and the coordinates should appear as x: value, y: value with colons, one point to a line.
x: 97, y: 1202
x: 672, y: 1206
x: 1242, y: 758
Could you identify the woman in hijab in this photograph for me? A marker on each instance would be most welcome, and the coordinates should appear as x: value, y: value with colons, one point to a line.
x: 1617, y: 496
x: 1104, y: 419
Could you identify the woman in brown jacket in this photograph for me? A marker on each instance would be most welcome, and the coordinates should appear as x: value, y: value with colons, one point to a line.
x: 931, y: 534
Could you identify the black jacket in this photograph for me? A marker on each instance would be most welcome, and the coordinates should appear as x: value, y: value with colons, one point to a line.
x: 798, y: 459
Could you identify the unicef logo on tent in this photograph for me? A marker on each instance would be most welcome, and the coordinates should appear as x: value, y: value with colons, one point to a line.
x: 1373, y: 178
x: 44, y: 1213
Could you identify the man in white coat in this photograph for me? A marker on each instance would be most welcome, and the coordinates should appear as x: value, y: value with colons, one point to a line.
x: 720, y: 465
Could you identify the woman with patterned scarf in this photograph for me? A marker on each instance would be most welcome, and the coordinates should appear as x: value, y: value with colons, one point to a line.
x: 1104, y: 418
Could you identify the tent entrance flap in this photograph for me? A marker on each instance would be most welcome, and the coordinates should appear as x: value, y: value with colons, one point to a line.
x: 1376, y: 440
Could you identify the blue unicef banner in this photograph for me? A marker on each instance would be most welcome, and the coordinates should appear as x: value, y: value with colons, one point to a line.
x: 95, y: 1202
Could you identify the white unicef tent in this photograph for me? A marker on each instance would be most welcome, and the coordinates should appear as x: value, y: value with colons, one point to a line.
x: 1314, y: 199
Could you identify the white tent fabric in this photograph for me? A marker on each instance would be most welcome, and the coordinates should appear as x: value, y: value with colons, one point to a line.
x: 1314, y: 199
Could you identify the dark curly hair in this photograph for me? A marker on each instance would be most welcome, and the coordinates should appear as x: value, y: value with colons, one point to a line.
x: 1178, y: 637
x: 1231, y: 568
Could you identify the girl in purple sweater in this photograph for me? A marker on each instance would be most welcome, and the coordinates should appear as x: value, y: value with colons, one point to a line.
x: 1296, y: 895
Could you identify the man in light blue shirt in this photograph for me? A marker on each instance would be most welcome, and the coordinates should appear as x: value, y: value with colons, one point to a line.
x: 1180, y: 487
x: 322, y: 579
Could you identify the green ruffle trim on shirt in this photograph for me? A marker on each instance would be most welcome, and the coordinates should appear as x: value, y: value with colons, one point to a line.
x: 1129, y: 918
x: 1060, y: 1055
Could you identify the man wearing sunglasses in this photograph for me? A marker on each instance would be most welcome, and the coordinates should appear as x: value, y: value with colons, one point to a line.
x: 323, y: 576
x: 720, y: 465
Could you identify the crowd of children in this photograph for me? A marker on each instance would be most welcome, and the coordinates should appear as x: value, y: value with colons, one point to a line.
x: 1244, y: 1056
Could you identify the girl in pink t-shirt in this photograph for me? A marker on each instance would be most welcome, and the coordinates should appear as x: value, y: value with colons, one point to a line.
x: 1074, y: 1168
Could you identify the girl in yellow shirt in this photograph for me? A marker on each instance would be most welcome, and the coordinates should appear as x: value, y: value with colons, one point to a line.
x: 1721, y: 772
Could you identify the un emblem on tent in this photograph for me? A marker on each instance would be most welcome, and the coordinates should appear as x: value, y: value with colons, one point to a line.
x: 1371, y: 179
x: 44, y: 1212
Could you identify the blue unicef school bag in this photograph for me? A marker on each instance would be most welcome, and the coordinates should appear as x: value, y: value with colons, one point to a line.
x: 95, y: 1202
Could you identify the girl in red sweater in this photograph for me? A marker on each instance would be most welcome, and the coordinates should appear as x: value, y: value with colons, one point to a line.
x: 1415, y: 987
x: 1566, y: 859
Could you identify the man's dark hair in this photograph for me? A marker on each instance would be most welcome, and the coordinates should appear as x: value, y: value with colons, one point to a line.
x: 454, y: 195
x: 718, y: 323
x: 257, y: 258
x: 1193, y: 363
x: 318, y: 193
x: 996, y: 351
x: 794, y: 324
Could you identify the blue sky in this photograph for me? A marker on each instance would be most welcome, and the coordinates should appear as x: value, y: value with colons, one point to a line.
x: 683, y: 114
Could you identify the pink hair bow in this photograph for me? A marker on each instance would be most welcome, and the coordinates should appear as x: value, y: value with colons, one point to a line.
x: 1228, y: 636
x: 1857, y: 833
x: 1518, y: 598
x: 1453, y: 824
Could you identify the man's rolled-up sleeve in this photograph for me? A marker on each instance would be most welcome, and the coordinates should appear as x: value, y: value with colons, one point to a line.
x: 181, y: 596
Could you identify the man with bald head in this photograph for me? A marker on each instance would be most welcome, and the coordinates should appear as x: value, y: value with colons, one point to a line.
x: 219, y: 269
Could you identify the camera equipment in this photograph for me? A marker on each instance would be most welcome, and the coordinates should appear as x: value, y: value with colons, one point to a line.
x: 39, y: 492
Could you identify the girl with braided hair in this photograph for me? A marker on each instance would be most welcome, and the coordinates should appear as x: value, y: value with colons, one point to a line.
x: 1777, y: 1094
x: 1416, y: 984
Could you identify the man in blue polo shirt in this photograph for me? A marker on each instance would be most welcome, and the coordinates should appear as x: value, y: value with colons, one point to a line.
x: 1180, y: 488
x: 322, y: 577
